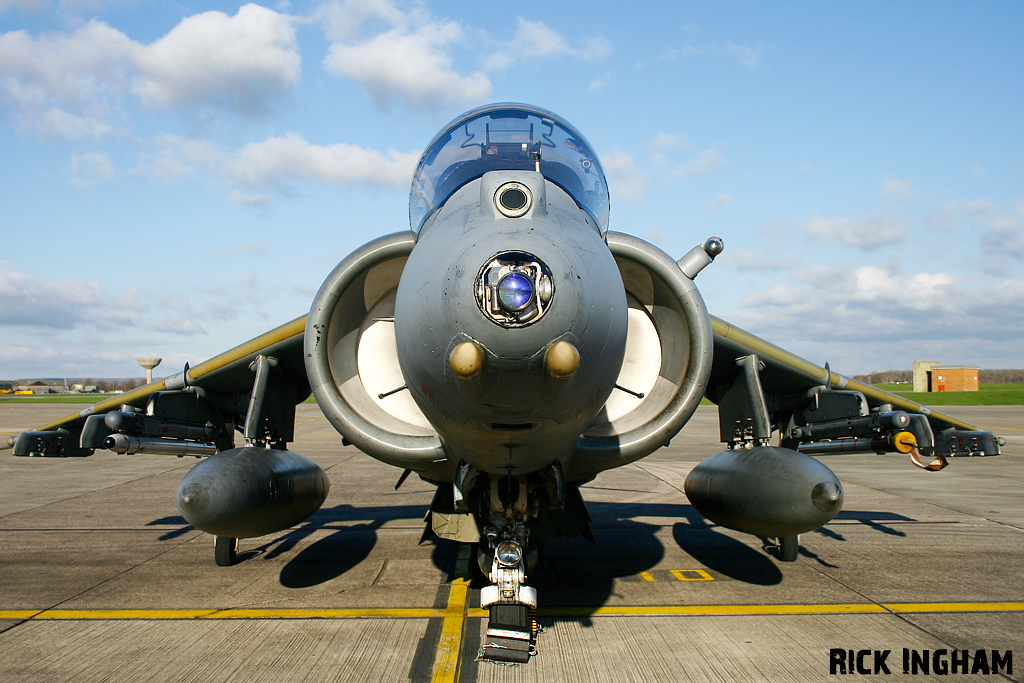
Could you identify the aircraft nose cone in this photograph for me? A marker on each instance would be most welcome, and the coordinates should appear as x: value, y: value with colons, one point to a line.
x: 193, y: 498
x: 827, y: 496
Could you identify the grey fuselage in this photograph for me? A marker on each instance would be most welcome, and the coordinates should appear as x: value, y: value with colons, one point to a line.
x: 515, y: 416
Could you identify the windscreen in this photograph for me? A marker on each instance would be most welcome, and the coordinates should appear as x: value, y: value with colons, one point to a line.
x: 503, y: 137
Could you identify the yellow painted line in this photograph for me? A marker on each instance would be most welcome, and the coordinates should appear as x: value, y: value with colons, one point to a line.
x: 455, y: 614
x: 144, y: 614
x: 647, y: 576
x: 447, y: 661
x: 686, y: 575
x: 141, y: 614
x: 384, y: 613
x: 18, y: 613
x: 956, y: 607
x: 709, y: 610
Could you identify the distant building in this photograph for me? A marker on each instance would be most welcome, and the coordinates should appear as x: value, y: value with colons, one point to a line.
x: 922, y: 374
x: 41, y: 386
x: 933, y: 376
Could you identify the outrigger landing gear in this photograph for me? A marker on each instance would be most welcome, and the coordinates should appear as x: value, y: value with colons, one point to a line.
x: 788, y: 548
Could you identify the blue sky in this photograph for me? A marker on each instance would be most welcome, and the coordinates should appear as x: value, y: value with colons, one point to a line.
x: 179, y: 177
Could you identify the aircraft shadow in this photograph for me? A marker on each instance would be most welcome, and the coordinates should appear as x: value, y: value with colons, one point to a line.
x: 349, y: 544
x: 571, y: 573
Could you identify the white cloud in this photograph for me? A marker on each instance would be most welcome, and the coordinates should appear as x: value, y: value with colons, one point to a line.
x: 533, y: 40
x: 701, y: 162
x: 757, y: 261
x: 244, y: 61
x: 596, y: 49
x: 66, y: 85
x: 72, y: 85
x: 252, y: 201
x: 536, y: 40
x: 665, y: 140
x: 624, y: 179
x: 747, y: 56
x: 900, y: 190
x: 29, y: 301
x: 414, y: 67
x: 744, y: 55
x: 182, y: 326
x: 274, y: 163
x: 720, y: 203
x: 1000, y: 232
x: 399, y: 56
x: 871, y: 232
x: 250, y: 248
x: 89, y: 168
x: 264, y: 164
x: 345, y: 20
x: 688, y: 161
x: 601, y: 82
x: 32, y: 6
x: 875, y: 318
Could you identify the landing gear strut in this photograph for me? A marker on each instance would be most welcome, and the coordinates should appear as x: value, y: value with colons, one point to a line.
x: 509, y: 635
x: 509, y: 600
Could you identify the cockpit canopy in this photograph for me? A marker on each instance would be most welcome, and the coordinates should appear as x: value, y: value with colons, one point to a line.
x: 501, y: 137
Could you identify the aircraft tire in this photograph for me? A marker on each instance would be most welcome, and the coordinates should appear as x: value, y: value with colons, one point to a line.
x: 225, y: 551
x: 789, y: 548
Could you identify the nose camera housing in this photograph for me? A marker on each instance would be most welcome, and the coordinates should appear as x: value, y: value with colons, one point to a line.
x: 514, y: 289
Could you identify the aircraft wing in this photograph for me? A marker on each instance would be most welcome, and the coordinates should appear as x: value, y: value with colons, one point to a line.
x: 793, y: 390
x: 193, y: 412
x: 759, y: 387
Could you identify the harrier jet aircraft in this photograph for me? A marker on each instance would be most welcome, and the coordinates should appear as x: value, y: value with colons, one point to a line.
x: 508, y: 348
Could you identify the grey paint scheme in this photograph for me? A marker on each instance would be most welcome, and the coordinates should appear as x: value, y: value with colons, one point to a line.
x: 436, y: 309
x: 332, y: 330
x: 514, y: 418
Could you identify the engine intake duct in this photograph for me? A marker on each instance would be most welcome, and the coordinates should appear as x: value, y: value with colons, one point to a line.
x: 127, y: 444
x: 866, y: 425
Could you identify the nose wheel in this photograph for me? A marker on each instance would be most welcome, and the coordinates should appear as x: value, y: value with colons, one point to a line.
x: 510, y: 634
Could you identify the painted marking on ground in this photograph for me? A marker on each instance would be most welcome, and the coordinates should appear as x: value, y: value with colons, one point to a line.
x: 691, y: 575
x: 456, y: 613
x: 448, y: 659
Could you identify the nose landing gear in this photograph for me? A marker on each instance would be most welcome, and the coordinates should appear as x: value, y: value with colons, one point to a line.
x: 510, y: 633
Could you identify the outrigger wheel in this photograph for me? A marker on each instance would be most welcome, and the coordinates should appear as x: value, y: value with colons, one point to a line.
x: 789, y: 548
x: 225, y: 552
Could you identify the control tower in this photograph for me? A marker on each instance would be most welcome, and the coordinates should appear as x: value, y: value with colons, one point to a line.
x: 149, y: 364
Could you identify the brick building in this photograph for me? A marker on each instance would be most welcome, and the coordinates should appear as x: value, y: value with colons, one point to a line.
x: 931, y: 376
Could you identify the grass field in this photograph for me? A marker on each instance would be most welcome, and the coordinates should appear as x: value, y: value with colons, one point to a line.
x: 56, y: 398
x: 989, y: 395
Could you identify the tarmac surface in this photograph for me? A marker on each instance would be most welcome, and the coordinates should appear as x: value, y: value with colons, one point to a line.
x: 102, y: 580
